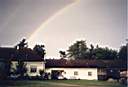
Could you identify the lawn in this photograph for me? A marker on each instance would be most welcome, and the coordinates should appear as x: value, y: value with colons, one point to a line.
x: 60, y: 83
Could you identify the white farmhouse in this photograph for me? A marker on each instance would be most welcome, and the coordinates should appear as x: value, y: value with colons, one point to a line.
x: 73, y: 69
x: 61, y: 68
x: 84, y: 69
x: 33, y: 62
x: 33, y: 67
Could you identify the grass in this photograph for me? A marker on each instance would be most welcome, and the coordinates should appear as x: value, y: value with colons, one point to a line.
x: 61, y: 83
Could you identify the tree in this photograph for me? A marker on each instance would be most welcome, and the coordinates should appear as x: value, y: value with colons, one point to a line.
x: 21, y: 69
x: 4, y: 69
x: 123, y: 52
x: 40, y: 50
x: 105, y: 53
x: 62, y: 54
x: 78, y: 50
x: 22, y: 44
x: 8, y: 67
x: 91, y: 52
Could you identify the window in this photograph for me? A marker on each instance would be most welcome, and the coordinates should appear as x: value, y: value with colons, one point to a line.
x: 89, y: 73
x: 75, y: 72
x: 64, y: 72
x: 33, y: 69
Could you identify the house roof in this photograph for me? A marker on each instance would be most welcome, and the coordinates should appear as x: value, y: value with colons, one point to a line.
x: 25, y: 54
x: 63, y: 63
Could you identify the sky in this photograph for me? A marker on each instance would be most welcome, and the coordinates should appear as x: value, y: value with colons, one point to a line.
x: 59, y: 23
x: 20, y: 18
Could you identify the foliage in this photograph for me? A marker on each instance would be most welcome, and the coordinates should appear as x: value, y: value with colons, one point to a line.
x: 21, y: 69
x: 123, y: 52
x: 40, y: 50
x: 78, y: 50
x: 8, y: 67
x: 105, y: 53
x: 2, y: 71
x: 22, y: 44
x: 5, y: 67
x: 62, y: 54
x: 41, y: 72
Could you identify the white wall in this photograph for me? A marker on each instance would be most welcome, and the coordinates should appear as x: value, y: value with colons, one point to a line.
x: 39, y: 65
x: 82, y: 73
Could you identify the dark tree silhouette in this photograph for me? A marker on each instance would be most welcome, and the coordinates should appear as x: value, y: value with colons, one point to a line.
x: 91, y: 52
x: 105, y: 53
x: 40, y: 50
x: 22, y: 44
x: 62, y: 54
x: 78, y: 50
x: 5, y: 70
x: 21, y: 69
x: 123, y: 52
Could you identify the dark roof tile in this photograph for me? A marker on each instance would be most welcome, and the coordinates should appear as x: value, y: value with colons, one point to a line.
x: 85, y: 63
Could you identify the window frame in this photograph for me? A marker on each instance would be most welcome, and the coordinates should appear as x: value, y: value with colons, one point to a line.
x: 33, y: 69
x: 76, y: 73
x: 89, y: 73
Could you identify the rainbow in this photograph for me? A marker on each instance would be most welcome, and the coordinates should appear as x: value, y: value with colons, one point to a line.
x: 42, y: 26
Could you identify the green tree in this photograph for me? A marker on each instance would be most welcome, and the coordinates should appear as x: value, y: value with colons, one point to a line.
x: 78, y: 50
x: 105, y: 53
x: 21, y: 69
x: 40, y: 50
x: 4, y: 70
x: 123, y: 52
x: 91, y: 52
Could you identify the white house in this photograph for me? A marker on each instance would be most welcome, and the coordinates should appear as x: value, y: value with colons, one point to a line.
x: 73, y: 69
x: 75, y: 73
x: 62, y: 68
x: 33, y: 67
x: 84, y: 69
x: 33, y: 62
